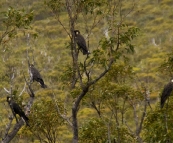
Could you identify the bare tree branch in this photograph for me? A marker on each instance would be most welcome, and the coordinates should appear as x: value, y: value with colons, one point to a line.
x: 85, y: 68
x: 138, y: 130
x: 6, y: 33
x: 63, y: 116
x: 14, y: 131
x: 20, y: 123
x: 60, y: 22
x: 9, y: 125
x: 23, y: 90
x: 17, y: 126
x: 9, y: 92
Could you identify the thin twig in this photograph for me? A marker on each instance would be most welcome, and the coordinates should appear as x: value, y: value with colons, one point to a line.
x: 63, y: 116
x: 23, y: 90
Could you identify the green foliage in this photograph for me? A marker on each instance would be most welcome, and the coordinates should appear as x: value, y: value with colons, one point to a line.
x: 116, y: 101
x: 67, y: 74
x: 92, y: 6
x: 98, y: 131
x: 93, y: 131
x: 167, y: 65
x: 55, y: 5
x: 158, y: 126
x: 123, y: 135
x: 99, y: 58
x: 45, y: 121
x: 75, y: 92
x: 13, y: 20
x: 120, y: 72
x: 119, y: 86
x: 17, y: 18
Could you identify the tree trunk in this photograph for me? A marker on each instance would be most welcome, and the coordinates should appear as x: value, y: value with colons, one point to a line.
x: 74, y: 113
x: 75, y: 124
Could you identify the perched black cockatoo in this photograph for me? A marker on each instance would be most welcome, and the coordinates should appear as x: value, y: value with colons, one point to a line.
x: 17, y: 110
x: 168, y: 88
x: 81, y: 42
x: 35, y: 76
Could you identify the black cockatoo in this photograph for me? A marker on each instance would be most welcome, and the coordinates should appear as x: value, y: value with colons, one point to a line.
x: 168, y: 88
x: 35, y: 76
x: 17, y: 110
x: 81, y: 42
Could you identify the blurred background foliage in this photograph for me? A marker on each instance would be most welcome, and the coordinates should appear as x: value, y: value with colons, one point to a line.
x: 111, y: 108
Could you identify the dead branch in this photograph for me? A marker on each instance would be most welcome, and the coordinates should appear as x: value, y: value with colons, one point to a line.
x: 9, y: 136
x: 8, y: 126
x: 63, y: 116
x: 8, y: 91
x: 17, y: 126
x: 23, y: 90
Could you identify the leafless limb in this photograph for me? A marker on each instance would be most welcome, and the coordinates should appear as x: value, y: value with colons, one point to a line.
x: 166, y: 119
x: 9, y: 136
x: 128, y: 12
x: 109, y: 130
x: 7, y: 31
x: 14, y: 131
x: 79, y: 75
x: 138, y: 130
x: 8, y: 126
x: 17, y: 126
x: 123, y: 111
x: 60, y: 22
x: 135, y: 116
x: 129, y: 128
x: 30, y: 91
x: 88, y: 71
x: 118, y: 38
x: 9, y: 92
x: 85, y: 68
x: 59, y: 112
x: 23, y: 90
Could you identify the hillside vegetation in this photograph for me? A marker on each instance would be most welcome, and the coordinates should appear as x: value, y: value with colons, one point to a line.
x: 123, y: 106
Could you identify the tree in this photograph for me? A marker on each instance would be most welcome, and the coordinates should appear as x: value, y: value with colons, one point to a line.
x: 158, y: 123
x: 121, y: 106
x: 45, y: 120
x: 108, y: 51
x: 13, y: 21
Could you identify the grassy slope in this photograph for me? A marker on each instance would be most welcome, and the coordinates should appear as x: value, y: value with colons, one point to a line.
x: 51, y: 55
